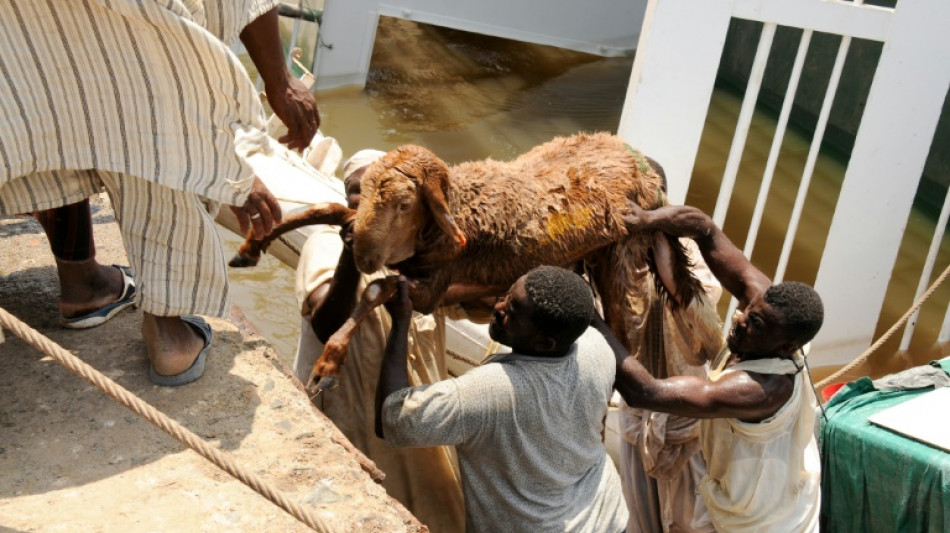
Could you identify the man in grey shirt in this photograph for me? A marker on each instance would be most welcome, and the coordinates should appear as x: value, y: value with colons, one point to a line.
x: 527, y: 424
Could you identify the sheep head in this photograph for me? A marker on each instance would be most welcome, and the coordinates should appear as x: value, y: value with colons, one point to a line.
x: 401, y: 195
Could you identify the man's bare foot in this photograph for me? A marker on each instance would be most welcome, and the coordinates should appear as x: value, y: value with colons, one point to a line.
x: 172, y: 345
x: 86, y: 286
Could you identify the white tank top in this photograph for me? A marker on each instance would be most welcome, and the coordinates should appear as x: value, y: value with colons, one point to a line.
x: 763, y: 476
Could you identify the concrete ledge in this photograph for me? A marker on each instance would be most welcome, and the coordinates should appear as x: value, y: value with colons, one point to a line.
x: 75, y: 460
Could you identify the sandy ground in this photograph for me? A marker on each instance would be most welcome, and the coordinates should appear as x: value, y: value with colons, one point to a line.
x: 72, y: 459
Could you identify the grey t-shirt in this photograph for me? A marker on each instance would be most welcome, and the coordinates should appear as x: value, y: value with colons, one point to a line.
x: 528, y: 434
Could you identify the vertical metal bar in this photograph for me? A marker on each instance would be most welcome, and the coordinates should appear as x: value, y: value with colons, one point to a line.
x: 317, y: 39
x: 742, y: 125
x: 813, y: 151
x: 813, y: 154
x: 945, y: 330
x: 928, y: 270
x: 746, y: 112
x: 770, y: 165
x: 780, y: 128
x: 293, y: 37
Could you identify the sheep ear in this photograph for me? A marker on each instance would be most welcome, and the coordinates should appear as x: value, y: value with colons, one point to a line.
x: 436, y: 177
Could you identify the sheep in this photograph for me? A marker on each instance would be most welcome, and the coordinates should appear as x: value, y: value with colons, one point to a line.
x: 488, y: 222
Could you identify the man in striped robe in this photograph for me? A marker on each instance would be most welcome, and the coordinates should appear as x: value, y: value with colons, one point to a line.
x: 146, y: 100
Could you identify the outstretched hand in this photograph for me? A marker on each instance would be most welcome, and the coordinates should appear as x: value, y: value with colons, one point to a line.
x: 260, y: 211
x: 676, y: 220
x: 295, y: 107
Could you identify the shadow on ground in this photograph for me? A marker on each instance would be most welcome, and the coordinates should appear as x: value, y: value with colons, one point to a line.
x: 47, y: 408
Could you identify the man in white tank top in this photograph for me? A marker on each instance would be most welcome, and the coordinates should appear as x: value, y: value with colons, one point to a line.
x: 763, y: 470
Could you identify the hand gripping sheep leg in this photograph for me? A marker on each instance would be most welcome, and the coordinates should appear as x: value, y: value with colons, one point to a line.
x: 327, y: 368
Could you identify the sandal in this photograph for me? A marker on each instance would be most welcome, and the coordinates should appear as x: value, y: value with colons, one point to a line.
x: 197, y: 368
x: 101, y: 315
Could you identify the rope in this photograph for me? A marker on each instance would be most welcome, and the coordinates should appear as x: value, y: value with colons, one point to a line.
x: 844, y: 371
x: 159, y: 419
x: 462, y: 358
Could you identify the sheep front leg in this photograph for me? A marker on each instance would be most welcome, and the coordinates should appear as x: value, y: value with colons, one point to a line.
x: 327, y: 367
x: 327, y: 213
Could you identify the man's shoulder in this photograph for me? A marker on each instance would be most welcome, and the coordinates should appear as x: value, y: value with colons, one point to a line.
x: 491, y: 369
x: 489, y: 376
x: 776, y: 389
x: 478, y: 389
x: 591, y: 339
x: 776, y: 383
x: 592, y: 348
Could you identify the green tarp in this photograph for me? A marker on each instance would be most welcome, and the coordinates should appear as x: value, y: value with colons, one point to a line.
x: 874, y: 480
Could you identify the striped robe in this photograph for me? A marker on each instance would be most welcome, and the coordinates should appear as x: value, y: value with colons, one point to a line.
x: 145, y: 99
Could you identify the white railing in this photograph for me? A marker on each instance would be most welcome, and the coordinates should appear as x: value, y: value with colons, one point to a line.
x: 668, y: 98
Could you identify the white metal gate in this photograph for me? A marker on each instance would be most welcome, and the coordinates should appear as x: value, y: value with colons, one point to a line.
x: 671, y: 83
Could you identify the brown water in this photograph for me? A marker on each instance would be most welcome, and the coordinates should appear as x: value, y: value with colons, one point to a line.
x: 468, y: 97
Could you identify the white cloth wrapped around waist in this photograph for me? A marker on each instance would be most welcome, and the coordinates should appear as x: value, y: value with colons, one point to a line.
x: 665, y: 442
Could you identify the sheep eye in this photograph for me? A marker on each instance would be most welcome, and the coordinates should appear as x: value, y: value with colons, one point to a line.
x: 405, y: 206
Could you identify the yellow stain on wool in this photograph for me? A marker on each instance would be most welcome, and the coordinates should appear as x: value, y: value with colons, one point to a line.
x: 561, y: 223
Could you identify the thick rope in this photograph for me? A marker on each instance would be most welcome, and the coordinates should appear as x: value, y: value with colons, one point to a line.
x: 459, y: 357
x: 847, y: 369
x: 160, y: 420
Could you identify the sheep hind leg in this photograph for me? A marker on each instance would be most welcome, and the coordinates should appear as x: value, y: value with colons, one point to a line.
x: 326, y: 370
x: 250, y: 251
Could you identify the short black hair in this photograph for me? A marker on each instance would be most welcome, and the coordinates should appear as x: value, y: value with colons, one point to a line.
x: 562, y: 301
x: 800, y: 307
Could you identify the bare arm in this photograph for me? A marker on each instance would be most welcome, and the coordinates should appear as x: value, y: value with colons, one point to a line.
x: 476, y: 302
x: 394, y: 375
x: 725, y: 260
x: 458, y: 293
x: 288, y: 97
x: 743, y: 395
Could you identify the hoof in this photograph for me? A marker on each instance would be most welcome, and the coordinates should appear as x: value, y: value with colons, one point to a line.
x: 322, y: 384
x: 242, y: 261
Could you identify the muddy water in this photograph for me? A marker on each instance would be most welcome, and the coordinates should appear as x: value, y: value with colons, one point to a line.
x: 468, y: 97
